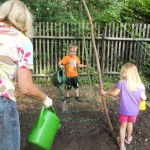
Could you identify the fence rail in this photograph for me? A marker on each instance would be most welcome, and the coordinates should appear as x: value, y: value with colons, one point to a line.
x: 89, y: 38
x: 116, y: 44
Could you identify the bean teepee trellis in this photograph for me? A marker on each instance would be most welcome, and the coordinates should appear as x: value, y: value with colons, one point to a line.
x: 98, y: 67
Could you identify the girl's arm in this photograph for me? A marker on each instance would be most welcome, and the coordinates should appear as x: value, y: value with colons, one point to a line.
x: 143, y: 96
x: 113, y: 92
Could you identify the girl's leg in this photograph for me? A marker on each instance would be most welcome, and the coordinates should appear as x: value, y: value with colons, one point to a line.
x: 129, y: 132
x: 122, y: 132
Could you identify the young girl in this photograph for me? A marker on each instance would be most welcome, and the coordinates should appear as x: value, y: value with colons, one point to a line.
x: 130, y: 90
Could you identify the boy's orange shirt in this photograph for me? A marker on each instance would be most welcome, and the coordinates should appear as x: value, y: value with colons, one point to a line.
x: 70, y: 63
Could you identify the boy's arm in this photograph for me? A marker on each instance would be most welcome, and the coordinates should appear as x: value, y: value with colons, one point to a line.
x: 60, y: 65
x: 82, y: 66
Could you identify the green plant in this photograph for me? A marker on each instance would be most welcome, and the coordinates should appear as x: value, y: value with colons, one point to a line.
x: 42, y: 80
x: 108, y: 100
x: 146, y: 82
x: 145, y: 69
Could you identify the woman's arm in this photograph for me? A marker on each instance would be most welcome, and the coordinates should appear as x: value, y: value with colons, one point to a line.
x: 27, y: 87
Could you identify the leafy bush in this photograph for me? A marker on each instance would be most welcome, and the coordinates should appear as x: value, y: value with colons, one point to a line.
x: 104, y: 11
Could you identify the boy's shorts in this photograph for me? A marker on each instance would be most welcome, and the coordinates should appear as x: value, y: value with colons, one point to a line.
x: 71, y: 82
x: 124, y: 118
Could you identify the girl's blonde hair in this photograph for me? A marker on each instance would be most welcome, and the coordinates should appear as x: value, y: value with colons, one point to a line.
x: 130, y: 73
x: 15, y: 13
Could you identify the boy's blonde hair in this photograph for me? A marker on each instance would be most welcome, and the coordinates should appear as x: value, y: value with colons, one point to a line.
x: 130, y: 73
x: 15, y: 13
x: 72, y: 47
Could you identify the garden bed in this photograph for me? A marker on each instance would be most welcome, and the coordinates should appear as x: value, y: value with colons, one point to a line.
x: 84, y: 124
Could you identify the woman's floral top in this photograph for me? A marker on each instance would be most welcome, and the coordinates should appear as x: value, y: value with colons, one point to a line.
x: 16, y: 50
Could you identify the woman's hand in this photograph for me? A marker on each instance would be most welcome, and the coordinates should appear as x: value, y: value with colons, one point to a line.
x: 48, y: 102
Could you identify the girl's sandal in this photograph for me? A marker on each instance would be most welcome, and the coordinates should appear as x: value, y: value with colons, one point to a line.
x: 119, y: 144
x: 128, y: 142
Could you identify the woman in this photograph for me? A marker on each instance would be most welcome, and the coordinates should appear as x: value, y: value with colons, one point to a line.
x: 16, y: 63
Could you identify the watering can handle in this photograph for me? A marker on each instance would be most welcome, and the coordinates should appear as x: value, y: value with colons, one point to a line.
x: 42, y: 112
x: 51, y: 108
x: 63, y: 69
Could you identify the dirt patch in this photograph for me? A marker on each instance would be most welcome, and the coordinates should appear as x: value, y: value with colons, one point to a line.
x: 84, y: 125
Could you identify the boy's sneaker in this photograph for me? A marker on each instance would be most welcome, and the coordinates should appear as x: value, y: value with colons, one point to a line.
x: 78, y: 99
x: 64, y: 98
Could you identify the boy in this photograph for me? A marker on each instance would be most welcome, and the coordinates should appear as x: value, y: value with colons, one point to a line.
x: 71, y: 62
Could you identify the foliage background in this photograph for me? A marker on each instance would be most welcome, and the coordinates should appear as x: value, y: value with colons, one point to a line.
x: 103, y: 11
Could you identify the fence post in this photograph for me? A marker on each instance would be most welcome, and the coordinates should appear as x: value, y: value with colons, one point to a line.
x: 102, y: 50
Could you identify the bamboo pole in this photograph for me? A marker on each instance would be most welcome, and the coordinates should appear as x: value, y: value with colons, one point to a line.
x: 98, y: 68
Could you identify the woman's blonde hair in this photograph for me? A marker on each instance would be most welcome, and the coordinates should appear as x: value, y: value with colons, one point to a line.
x: 15, y: 13
x: 130, y: 73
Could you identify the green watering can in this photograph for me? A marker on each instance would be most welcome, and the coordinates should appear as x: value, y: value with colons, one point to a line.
x: 59, y: 78
x: 44, y: 129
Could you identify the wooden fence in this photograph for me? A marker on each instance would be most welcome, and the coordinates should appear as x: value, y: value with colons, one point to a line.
x: 116, y: 44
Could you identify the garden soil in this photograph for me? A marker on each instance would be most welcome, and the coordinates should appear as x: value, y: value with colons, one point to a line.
x: 83, y: 124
